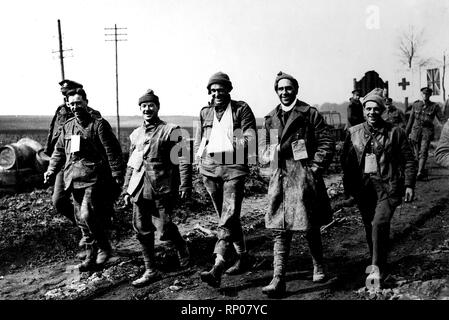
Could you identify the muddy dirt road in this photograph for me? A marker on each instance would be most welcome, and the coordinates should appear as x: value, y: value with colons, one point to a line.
x: 419, y: 267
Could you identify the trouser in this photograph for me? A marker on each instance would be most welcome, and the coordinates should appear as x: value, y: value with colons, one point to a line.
x: 421, y: 150
x: 227, y: 197
x: 91, y: 216
x: 377, y: 210
x: 281, y: 249
x: 152, y: 215
x: 61, y: 198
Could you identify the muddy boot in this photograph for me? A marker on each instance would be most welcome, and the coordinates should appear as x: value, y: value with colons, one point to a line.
x: 183, y: 256
x: 318, y: 273
x: 151, y: 274
x: 104, y: 253
x: 281, y: 250
x: 89, y: 261
x: 241, y: 265
x: 276, y: 287
x: 213, y: 276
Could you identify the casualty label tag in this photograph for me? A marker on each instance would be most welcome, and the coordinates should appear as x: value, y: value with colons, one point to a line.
x: 75, y: 143
x: 370, y: 163
x: 299, y: 149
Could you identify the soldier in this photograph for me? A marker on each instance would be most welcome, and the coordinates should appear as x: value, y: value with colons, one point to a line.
x: 224, y: 144
x: 393, y: 115
x: 61, y: 199
x: 383, y: 169
x: 300, y: 147
x: 355, y: 116
x: 152, y: 182
x: 355, y: 109
x: 420, y: 128
x: 91, y: 156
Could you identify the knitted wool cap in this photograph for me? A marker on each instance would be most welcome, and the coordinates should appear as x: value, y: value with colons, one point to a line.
x: 149, y: 96
x: 221, y: 78
x: 375, y: 95
x: 282, y: 75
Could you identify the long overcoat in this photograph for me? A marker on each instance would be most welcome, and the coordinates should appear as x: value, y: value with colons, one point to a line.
x: 297, y: 193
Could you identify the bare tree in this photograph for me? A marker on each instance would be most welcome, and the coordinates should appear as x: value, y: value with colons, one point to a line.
x: 410, y: 44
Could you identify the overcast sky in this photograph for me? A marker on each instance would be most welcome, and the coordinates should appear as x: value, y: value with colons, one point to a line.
x: 175, y: 45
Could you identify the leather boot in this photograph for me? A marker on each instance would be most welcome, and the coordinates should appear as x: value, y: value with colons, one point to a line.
x: 213, y: 276
x: 281, y: 252
x: 184, y: 256
x: 276, y: 287
x: 240, y: 266
x: 104, y: 251
x: 151, y: 274
x: 89, y: 262
x: 318, y: 273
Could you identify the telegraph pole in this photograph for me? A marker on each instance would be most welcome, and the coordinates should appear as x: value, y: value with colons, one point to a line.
x: 61, y: 56
x: 115, y: 34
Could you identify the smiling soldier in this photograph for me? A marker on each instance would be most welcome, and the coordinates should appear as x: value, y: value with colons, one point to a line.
x: 91, y: 156
x: 382, y: 170
x: 153, y: 181
x: 300, y: 147
x: 223, y: 146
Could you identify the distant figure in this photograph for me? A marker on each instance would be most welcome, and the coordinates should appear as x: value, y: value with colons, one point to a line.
x: 355, y: 116
x: 381, y: 169
x: 355, y: 110
x: 153, y: 182
x: 91, y: 157
x: 393, y: 115
x: 420, y: 128
x: 224, y: 142
x: 302, y: 149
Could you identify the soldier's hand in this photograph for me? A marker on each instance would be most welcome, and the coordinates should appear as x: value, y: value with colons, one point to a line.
x: 185, y: 195
x: 48, y: 176
x: 409, y: 195
x: 127, y: 200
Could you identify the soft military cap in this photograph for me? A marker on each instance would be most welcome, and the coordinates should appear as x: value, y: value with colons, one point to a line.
x: 375, y: 95
x: 221, y: 78
x: 426, y: 90
x: 67, y: 85
x: 282, y: 75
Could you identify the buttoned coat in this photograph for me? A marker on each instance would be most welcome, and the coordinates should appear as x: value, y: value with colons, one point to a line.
x: 163, y: 166
x: 395, y: 160
x: 297, y: 193
x: 420, y: 123
x: 99, y: 158
x: 245, y: 143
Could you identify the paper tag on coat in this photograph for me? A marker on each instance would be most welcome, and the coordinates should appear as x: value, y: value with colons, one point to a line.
x: 75, y: 143
x: 136, y: 159
x: 370, y: 163
x: 273, y: 151
x: 299, y: 149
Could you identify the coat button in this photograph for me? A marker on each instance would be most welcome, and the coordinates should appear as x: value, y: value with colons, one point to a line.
x: 145, y: 158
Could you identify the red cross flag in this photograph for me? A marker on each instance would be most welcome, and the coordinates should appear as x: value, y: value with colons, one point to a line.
x: 433, y: 81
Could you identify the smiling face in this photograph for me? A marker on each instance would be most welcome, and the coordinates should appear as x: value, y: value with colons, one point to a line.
x: 372, y: 112
x: 78, y: 105
x: 149, y: 111
x: 286, y: 91
x: 220, y: 94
